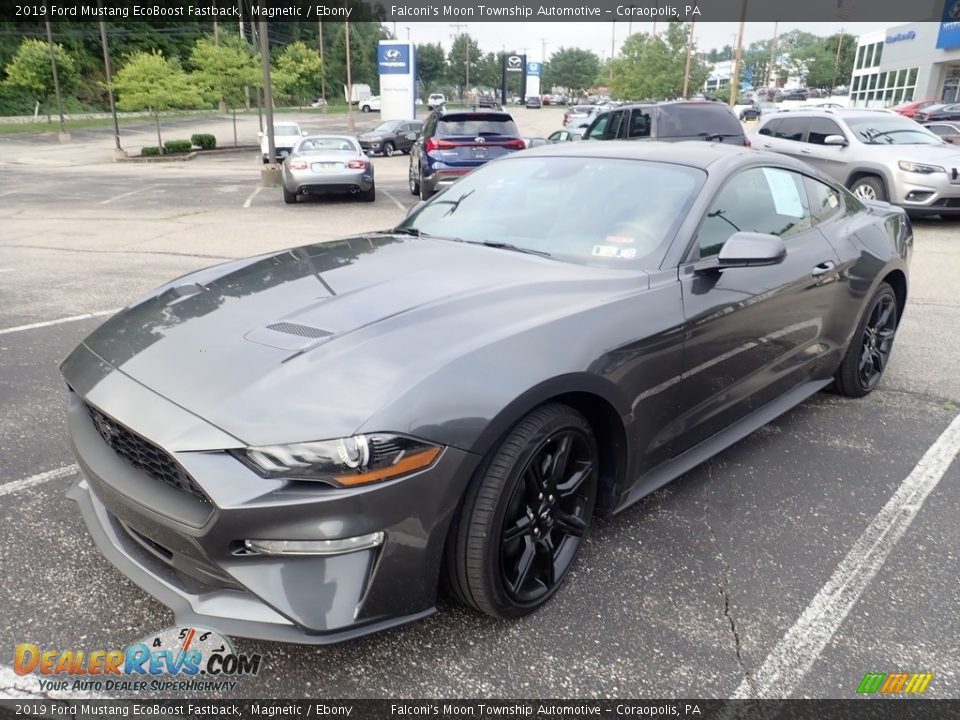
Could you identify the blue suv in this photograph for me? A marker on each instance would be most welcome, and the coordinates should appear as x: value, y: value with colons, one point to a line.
x: 454, y: 142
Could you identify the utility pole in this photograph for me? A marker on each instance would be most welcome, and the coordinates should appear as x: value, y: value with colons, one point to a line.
x: 106, y: 69
x: 771, y: 69
x: 323, y: 67
x: 735, y: 77
x: 613, y: 39
x: 836, y: 63
x: 346, y: 38
x: 686, y: 70
x: 64, y: 136
x: 243, y: 41
x: 271, y: 174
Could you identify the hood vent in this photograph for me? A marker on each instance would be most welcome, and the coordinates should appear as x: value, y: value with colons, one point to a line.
x: 305, y: 331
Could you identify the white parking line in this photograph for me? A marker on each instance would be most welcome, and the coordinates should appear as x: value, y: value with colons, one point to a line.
x: 48, y: 323
x: 3, y: 270
x: 38, y: 479
x: 9, y: 192
x: 251, y: 196
x: 395, y: 201
x: 791, y: 659
x: 128, y: 194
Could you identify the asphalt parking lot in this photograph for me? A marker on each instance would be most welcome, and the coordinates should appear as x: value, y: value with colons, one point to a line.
x: 693, y: 592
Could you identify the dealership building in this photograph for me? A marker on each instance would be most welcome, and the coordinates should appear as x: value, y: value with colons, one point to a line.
x: 917, y: 61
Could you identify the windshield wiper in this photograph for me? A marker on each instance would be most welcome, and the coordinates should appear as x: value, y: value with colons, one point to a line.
x: 413, y: 232
x: 509, y: 246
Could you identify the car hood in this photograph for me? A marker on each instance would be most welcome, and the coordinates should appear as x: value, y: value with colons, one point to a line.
x: 945, y: 155
x: 263, y: 347
x: 375, y: 135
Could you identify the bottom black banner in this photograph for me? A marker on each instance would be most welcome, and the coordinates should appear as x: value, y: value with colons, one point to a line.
x: 553, y: 709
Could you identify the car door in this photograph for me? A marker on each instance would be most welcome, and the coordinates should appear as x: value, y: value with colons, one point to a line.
x: 789, y: 137
x: 830, y: 159
x: 752, y: 333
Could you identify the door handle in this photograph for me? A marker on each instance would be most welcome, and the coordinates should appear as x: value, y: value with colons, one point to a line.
x: 804, y: 151
x: 823, y: 268
x: 767, y: 145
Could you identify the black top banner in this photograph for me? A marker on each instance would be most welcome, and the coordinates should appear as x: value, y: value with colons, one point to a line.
x: 892, y: 11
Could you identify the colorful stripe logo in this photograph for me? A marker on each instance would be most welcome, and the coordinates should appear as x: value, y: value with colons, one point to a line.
x: 894, y: 683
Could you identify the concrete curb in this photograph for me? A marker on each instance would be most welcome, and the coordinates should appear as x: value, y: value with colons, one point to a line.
x: 183, y: 157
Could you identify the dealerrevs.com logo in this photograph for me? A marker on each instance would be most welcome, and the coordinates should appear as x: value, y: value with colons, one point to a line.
x: 176, y: 659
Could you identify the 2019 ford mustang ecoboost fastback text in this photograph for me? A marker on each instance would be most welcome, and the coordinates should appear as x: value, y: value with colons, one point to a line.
x: 306, y: 445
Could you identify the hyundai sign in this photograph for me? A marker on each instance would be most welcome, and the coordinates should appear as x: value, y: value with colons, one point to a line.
x: 393, y: 59
x: 533, y: 69
x: 397, y: 65
x: 949, y: 35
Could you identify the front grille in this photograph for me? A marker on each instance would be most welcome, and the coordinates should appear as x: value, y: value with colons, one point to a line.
x: 143, y: 454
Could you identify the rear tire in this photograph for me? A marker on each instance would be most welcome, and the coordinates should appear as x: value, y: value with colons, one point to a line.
x: 288, y: 197
x: 869, y: 352
x: 869, y: 187
x: 425, y: 192
x: 523, y: 519
x: 369, y: 195
x: 414, y: 184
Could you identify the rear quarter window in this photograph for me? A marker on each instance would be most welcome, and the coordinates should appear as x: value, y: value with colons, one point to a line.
x: 694, y: 119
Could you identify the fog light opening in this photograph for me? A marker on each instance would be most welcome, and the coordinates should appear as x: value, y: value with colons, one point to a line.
x: 314, y: 547
x: 918, y: 195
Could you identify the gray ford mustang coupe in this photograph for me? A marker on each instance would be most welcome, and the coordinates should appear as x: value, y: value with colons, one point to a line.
x: 307, y: 445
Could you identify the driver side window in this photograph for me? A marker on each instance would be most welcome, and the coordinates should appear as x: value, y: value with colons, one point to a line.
x: 763, y: 200
x: 599, y: 128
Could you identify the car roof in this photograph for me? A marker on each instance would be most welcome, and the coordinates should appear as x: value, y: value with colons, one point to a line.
x: 330, y: 137
x: 694, y: 153
x: 845, y: 113
x: 485, y: 113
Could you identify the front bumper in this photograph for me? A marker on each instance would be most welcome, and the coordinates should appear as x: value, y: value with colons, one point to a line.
x: 934, y: 194
x: 186, y: 551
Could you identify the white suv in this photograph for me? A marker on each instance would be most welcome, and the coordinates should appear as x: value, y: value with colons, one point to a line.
x: 436, y: 100
x: 877, y: 154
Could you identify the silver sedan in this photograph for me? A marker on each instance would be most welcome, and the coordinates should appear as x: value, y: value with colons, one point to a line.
x: 321, y: 164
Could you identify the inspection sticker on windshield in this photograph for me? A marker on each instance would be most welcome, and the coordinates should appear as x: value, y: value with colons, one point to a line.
x: 612, y: 251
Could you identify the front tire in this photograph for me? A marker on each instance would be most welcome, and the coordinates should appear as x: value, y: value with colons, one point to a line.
x: 365, y: 108
x: 869, y: 351
x: 869, y: 188
x: 388, y: 149
x: 524, y: 517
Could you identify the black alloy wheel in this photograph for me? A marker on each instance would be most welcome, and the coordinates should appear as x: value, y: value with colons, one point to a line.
x: 869, y: 351
x: 388, y: 148
x: 524, y: 518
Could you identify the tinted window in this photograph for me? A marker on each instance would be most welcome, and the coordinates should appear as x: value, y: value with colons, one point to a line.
x: 691, y: 120
x: 476, y: 125
x: 770, y: 128
x: 791, y: 129
x: 543, y: 203
x: 824, y: 200
x: 639, y: 124
x: 764, y: 200
x: 941, y: 130
x: 820, y: 129
x: 883, y: 129
x: 616, y: 120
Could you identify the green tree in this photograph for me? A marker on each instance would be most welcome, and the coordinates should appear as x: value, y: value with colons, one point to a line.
x: 461, y: 61
x: 653, y: 67
x: 297, y: 73
x: 431, y: 66
x: 149, y: 81
x: 30, y: 70
x: 222, y: 71
x: 364, y: 37
x: 572, y: 68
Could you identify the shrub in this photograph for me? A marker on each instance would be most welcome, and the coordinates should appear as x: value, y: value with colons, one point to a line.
x: 178, y: 146
x: 149, y: 151
x: 204, y: 141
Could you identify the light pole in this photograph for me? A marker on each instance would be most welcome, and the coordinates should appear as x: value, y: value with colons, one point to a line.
x: 106, y: 68
x: 735, y: 77
x: 686, y: 70
x: 323, y: 67
x: 836, y: 63
x: 270, y: 175
x: 346, y: 39
x: 613, y: 39
x: 56, y: 78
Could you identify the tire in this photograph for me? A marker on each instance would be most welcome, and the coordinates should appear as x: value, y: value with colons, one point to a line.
x: 511, y: 577
x: 388, y: 149
x: 425, y: 192
x: 365, y: 108
x: 288, y: 197
x: 869, y: 187
x: 266, y: 160
x: 369, y: 195
x: 869, y: 351
x: 414, y: 183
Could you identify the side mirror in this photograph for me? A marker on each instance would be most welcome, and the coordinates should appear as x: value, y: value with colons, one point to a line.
x: 747, y: 249
x: 411, y: 136
x: 304, y: 133
x: 835, y: 140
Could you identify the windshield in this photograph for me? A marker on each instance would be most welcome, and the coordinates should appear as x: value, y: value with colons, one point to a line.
x: 385, y: 127
x: 286, y: 129
x: 891, y: 130
x: 576, y: 209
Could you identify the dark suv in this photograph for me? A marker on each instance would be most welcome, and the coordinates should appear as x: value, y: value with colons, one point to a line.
x: 670, y: 121
x: 454, y: 142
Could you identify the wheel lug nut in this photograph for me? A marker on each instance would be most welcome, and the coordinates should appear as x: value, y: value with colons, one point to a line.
x: 550, y: 498
x: 536, y: 531
x: 540, y: 496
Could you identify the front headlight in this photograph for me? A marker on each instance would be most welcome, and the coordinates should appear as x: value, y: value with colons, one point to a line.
x: 346, y: 462
x: 920, y: 168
